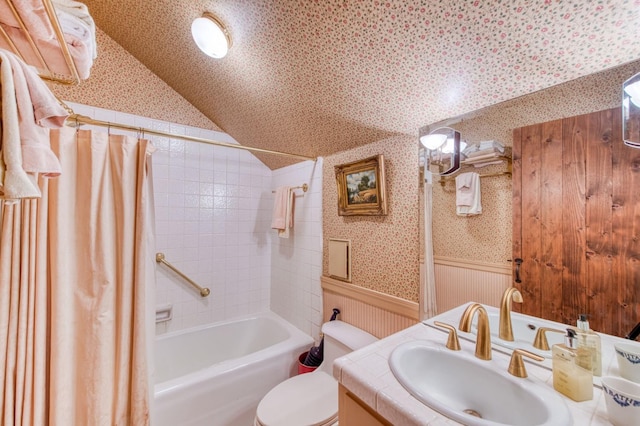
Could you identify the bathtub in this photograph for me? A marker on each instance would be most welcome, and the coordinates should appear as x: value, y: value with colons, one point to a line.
x: 217, y: 374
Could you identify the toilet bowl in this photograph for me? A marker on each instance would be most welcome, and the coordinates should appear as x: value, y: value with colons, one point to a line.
x: 312, y: 399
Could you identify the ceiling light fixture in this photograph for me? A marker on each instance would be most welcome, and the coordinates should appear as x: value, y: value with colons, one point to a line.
x: 433, y: 141
x: 443, y: 146
x: 211, y: 36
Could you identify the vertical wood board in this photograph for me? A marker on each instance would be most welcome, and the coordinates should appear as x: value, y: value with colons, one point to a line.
x: 531, y: 238
x: 516, y: 188
x: 551, y: 209
x: 598, y: 219
x: 573, y: 218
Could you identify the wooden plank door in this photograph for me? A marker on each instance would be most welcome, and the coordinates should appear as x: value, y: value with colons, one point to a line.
x: 576, y: 218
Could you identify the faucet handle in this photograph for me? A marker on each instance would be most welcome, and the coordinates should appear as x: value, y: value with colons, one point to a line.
x: 516, y: 366
x: 540, y: 341
x: 452, y: 341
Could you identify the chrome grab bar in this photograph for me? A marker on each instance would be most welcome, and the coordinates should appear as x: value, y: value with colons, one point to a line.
x: 204, y: 292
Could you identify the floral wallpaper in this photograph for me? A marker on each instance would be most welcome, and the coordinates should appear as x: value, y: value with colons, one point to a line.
x: 384, y: 249
x: 393, y: 243
x: 487, y: 237
x: 119, y: 82
x: 320, y: 77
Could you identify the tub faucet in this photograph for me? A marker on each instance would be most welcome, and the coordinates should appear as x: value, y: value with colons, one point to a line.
x: 483, y: 338
x: 506, y: 329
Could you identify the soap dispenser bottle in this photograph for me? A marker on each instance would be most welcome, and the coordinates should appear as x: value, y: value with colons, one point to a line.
x: 572, y: 375
x: 590, y: 340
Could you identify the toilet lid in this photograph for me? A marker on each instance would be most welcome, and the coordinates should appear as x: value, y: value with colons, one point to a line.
x: 308, y: 399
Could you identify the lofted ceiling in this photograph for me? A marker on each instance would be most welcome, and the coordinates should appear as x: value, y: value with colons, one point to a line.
x: 315, y: 77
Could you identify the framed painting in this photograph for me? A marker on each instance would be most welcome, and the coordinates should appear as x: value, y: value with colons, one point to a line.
x: 361, y: 187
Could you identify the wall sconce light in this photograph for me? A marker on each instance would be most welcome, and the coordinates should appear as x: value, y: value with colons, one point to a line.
x: 443, y: 147
x: 631, y: 111
x: 211, y: 36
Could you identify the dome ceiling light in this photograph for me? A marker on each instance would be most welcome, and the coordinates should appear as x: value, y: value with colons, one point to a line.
x: 211, y: 36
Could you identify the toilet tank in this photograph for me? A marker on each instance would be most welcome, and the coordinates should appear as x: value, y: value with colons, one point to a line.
x: 340, y: 339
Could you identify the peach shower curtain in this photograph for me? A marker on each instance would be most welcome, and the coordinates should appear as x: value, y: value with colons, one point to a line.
x: 80, y: 278
x: 23, y: 311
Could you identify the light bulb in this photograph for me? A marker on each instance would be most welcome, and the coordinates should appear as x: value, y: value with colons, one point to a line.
x: 210, y: 37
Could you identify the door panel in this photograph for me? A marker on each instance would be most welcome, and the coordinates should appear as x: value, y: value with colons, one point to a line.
x: 576, y: 221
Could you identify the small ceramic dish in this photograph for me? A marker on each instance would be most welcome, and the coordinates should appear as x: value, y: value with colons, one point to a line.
x: 622, y: 398
x: 628, y: 355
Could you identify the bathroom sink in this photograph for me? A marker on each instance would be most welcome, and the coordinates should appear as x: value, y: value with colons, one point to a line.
x: 524, y: 332
x: 472, y: 392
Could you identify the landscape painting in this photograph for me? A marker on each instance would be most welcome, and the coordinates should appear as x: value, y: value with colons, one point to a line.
x: 361, y: 189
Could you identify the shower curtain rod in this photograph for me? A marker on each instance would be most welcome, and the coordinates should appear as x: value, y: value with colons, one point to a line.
x: 76, y: 120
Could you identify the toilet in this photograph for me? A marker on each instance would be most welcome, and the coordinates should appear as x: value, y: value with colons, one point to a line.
x: 312, y: 399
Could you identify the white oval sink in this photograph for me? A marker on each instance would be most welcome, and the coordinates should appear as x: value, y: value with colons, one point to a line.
x: 461, y: 387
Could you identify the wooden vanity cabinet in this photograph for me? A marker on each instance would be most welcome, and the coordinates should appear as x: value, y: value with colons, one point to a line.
x: 353, y: 412
x: 576, y: 221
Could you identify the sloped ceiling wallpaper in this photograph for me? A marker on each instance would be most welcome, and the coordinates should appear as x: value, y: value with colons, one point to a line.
x: 319, y: 77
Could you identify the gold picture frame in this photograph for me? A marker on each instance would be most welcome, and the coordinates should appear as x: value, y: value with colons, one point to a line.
x: 361, y: 187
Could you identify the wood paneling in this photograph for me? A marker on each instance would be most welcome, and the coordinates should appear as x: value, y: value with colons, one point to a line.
x: 516, y: 186
x: 576, y: 221
x: 377, y: 313
x: 530, y: 273
x: 573, y: 217
x: 625, y: 269
x: 598, y: 213
x: 551, y: 219
x: 453, y: 278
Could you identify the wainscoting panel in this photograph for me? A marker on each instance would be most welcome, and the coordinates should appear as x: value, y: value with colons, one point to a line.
x: 459, y: 281
x: 374, y: 312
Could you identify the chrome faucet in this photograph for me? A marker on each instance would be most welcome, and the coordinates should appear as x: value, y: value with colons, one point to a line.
x: 506, y: 329
x: 483, y: 338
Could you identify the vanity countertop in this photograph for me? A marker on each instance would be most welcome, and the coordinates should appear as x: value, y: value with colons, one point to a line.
x: 366, y: 374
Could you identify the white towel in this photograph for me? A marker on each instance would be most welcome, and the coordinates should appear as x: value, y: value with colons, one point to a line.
x: 283, y: 211
x: 468, y: 200
x: 77, y: 28
x: 493, y: 145
x: 80, y: 11
x: 487, y: 163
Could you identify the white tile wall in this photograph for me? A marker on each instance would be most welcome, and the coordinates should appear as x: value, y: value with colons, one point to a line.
x: 213, y: 214
x: 296, y: 262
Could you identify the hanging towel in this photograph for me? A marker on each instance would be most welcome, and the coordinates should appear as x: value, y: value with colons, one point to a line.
x: 468, y: 200
x: 283, y: 211
x: 81, y: 12
x: 28, y: 106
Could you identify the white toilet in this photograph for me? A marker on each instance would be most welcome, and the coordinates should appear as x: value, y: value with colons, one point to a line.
x: 312, y: 399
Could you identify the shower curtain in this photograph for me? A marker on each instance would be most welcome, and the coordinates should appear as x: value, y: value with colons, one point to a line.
x: 429, y: 289
x: 76, y: 272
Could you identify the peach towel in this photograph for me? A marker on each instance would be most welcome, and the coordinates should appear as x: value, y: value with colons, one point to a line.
x: 28, y: 106
x: 33, y: 15
x: 50, y: 49
x: 77, y: 26
x: 283, y: 211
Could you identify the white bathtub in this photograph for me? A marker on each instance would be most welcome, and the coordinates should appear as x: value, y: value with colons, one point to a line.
x: 217, y: 374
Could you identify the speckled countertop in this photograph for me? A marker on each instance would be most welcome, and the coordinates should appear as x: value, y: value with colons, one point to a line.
x: 367, y: 375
